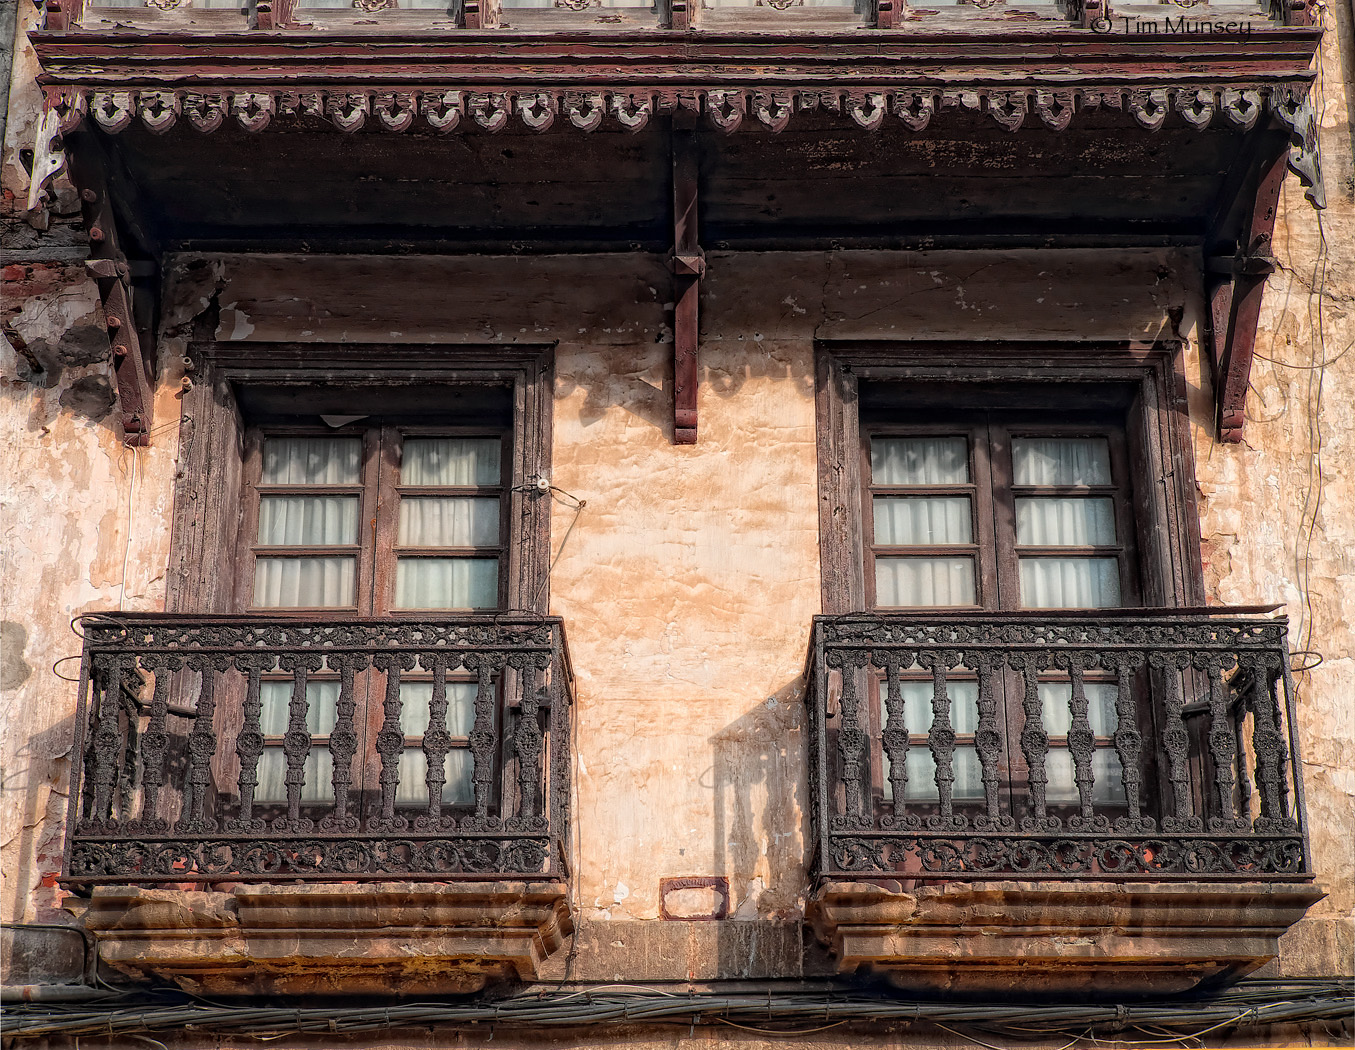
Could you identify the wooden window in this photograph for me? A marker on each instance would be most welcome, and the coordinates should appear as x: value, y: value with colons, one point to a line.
x: 973, y: 483
x: 374, y: 520
x: 985, y: 515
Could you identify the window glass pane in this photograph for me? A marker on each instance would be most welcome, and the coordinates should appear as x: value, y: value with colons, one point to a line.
x: 1070, y: 583
x: 919, y: 461
x: 447, y: 583
x: 272, y: 773
x: 904, y: 520
x: 1056, y: 700
x: 308, y: 521
x: 917, y: 705
x: 1065, y: 522
x: 312, y: 461
x: 448, y: 521
x: 299, y: 583
x: 458, y: 785
x: 1107, y: 777
x: 450, y: 461
x: 416, y: 696
x: 275, y: 697
x: 921, y: 767
x: 1061, y: 461
x: 1108, y: 772
x: 908, y: 582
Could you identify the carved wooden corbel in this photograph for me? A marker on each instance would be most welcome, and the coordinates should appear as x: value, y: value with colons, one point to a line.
x: 109, y: 267
x: 688, y: 264
x: 1235, y: 302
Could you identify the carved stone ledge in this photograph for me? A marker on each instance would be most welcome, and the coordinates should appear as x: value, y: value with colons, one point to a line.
x: 388, y: 938
x: 1056, y: 938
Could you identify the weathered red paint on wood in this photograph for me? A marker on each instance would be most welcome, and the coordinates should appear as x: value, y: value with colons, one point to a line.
x: 688, y: 264
x: 1255, y: 264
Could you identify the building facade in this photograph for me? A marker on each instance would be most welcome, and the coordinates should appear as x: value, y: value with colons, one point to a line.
x: 587, y: 524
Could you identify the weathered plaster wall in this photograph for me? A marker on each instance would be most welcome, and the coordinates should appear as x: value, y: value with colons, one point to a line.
x: 689, y: 579
x: 1278, y: 511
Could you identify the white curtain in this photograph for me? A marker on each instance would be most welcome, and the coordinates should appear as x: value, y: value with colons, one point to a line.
x: 447, y: 583
x: 312, y: 461
x: 451, y: 461
x: 457, y: 789
x: 275, y: 700
x: 912, y: 520
x: 919, y: 461
x: 1058, y: 521
x: 1070, y: 583
x: 308, y: 521
x: 303, y: 583
x: 415, y: 698
x: 1060, y: 461
x: 964, y: 720
x: 916, y: 582
x: 448, y: 521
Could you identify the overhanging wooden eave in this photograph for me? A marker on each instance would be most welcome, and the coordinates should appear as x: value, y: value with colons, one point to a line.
x: 1075, y: 57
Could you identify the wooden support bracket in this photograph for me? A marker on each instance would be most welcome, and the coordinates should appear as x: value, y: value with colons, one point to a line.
x: 1235, y: 302
x: 688, y: 264
x: 111, y: 272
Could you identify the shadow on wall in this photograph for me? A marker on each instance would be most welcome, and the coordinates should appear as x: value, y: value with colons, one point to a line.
x: 38, y: 776
x: 643, y: 386
x: 759, y: 811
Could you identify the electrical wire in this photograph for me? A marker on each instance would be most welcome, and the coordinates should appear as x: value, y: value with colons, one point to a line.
x: 782, y: 1013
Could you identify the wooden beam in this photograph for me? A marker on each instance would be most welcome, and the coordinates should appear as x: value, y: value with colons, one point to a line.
x: 1242, y: 303
x: 108, y: 265
x: 688, y: 263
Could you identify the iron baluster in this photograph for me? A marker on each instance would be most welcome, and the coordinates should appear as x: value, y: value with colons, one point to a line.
x: 296, y: 742
x: 941, y: 737
x: 201, y: 748
x: 1222, y: 738
x: 343, y: 741
x: 1271, y: 754
x: 249, y: 742
x: 437, y: 741
x: 390, y: 741
x: 1129, y: 740
x: 527, y: 738
x: 894, y: 736
x: 106, y: 741
x: 1034, y: 741
x: 988, y: 738
x: 1176, y: 740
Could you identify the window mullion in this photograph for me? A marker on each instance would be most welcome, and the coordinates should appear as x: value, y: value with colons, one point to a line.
x: 380, y: 534
x: 993, y: 469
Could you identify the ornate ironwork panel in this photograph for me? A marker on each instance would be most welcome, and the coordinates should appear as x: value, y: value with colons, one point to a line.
x: 1145, y: 744
x: 238, y: 748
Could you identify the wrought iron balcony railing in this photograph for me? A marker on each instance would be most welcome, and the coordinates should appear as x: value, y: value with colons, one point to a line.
x: 219, y: 749
x: 1145, y: 744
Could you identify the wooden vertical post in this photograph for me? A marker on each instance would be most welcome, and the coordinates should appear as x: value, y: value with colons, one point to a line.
x: 688, y: 263
x: 1253, y: 264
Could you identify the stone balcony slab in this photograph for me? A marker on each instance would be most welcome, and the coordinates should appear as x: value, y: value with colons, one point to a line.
x: 1056, y: 938
x: 331, y: 939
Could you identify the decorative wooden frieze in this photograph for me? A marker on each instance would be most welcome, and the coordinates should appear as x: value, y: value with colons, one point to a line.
x: 1053, y: 107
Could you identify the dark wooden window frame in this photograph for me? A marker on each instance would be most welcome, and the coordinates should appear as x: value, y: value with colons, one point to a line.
x: 992, y: 493
x: 376, y: 549
x: 210, y: 505
x: 1161, y: 460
